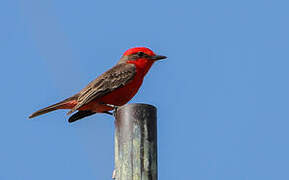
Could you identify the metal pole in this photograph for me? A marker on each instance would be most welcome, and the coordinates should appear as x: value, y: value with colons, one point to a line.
x: 136, y: 142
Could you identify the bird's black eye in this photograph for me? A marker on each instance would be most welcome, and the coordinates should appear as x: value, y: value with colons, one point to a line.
x: 140, y: 54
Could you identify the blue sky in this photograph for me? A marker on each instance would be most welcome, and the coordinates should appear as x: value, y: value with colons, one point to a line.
x: 222, y: 95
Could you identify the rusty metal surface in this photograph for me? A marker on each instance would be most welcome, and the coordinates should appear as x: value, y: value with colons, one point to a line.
x: 136, y: 142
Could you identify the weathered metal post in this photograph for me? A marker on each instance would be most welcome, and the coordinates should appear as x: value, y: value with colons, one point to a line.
x: 136, y: 142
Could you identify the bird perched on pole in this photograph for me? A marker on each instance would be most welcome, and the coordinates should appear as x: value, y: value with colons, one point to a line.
x: 113, y: 88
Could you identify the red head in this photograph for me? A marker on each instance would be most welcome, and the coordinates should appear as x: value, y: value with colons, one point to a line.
x: 142, y: 57
x: 139, y: 49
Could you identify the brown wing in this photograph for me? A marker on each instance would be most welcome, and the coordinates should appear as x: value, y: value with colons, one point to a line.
x: 114, y: 78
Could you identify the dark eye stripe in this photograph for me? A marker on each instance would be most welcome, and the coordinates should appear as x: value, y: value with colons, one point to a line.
x: 137, y: 55
x: 140, y: 54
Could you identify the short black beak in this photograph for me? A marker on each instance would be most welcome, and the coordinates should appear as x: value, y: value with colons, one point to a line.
x: 157, y: 57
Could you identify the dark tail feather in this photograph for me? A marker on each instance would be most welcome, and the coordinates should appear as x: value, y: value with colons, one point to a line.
x: 51, y: 108
x: 79, y: 115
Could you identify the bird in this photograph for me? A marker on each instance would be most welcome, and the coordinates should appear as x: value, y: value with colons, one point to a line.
x: 112, y: 89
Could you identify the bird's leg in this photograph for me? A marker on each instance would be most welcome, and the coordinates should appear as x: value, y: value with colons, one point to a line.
x: 114, y: 111
x: 112, y: 106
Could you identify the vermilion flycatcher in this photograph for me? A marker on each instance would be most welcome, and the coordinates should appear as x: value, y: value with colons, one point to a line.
x: 113, y: 88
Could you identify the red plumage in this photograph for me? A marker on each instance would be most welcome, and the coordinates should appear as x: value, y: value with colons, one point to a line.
x: 115, y: 87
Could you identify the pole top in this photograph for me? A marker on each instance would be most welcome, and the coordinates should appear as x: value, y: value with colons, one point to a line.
x: 129, y: 113
x: 137, y: 105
